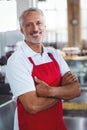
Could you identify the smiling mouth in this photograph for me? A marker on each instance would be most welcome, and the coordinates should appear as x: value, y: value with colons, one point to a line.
x: 36, y: 34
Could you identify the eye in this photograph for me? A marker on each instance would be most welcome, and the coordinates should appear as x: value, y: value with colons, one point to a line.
x: 28, y: 25
x: 39, y: 23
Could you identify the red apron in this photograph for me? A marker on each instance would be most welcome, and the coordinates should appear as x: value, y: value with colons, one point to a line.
x: 51, y: 118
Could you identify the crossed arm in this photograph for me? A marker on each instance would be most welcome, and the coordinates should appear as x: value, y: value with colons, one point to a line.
x: 68, y: 89
x: 45, y: 96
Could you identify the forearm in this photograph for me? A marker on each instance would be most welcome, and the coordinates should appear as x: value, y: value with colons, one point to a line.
x: 69, y: 88
x: 33, y: 104
x: 66, y: 92
x: 44, y: 103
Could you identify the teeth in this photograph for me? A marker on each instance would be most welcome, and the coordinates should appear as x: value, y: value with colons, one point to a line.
x: 36, y: 34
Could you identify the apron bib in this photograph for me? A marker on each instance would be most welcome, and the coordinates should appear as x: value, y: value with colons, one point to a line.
x: 51, y: 118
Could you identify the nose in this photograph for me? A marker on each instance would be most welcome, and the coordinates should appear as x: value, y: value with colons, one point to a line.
x: 35, y: 27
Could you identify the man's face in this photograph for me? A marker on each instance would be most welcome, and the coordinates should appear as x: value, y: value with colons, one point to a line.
x: 33, y: 27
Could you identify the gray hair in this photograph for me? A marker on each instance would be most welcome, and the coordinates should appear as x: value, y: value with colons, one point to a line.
x: 28, y: 11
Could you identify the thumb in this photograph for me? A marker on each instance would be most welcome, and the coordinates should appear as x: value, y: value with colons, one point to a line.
x: 37, y: 80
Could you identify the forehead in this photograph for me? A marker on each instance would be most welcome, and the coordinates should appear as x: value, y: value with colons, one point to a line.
x: 33, y: 16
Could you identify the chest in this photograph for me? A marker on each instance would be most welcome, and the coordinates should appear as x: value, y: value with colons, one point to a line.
x: 48, y: 72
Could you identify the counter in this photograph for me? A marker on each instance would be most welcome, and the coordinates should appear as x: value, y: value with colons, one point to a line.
x: 75, y: 123
x: 75, y: 111
x: 7, y: 107
x: 7, y: 110
x: 76, y: 107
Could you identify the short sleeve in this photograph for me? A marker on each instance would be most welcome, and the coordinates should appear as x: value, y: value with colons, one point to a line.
x: 19, y: 77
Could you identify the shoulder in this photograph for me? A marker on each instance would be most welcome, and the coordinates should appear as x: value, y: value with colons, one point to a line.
x: 17, y: 62
x: 16, y: 58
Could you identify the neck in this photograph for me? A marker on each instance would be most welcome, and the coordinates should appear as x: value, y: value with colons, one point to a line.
x: 35, y: 47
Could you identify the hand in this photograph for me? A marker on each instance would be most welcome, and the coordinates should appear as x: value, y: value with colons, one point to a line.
x: 69, y: 77
x: 42, y: 88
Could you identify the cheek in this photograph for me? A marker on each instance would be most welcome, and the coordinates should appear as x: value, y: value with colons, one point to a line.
x: 27, y: 31
x: 44, y: 28
x: 44, y: 31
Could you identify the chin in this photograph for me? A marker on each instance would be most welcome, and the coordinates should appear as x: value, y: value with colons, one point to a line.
x: 36, y: 42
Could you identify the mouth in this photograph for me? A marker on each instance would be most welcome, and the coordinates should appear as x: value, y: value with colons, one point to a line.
x: 36, y: 34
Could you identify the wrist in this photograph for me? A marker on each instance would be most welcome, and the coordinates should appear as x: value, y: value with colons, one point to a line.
x: 51, y: 92
x: 54, y: 92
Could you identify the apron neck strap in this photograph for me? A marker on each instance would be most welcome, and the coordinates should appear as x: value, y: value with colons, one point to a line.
x: 30, y: 59
x: 50, y: 55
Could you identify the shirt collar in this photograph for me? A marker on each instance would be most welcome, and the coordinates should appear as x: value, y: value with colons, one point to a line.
x: 29, y: 52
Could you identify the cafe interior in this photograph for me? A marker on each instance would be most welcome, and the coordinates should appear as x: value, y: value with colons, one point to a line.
x: 66, y: 24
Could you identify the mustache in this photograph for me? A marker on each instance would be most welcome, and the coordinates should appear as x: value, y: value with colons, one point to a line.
x: 34, y: 32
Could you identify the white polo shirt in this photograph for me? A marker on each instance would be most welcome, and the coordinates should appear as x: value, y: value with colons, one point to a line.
x: 19, y: 69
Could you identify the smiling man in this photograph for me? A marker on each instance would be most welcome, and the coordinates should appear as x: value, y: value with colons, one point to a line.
x: 39, y: 78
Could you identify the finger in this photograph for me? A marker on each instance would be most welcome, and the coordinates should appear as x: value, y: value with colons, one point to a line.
x: 68, y: 73
x: 75, y: 79
x: 71, y: 75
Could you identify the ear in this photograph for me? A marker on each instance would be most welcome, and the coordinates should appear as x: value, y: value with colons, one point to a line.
x: 21, y: 30
x: 45, y: 26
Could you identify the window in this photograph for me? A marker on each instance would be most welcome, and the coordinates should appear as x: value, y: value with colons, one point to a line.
x: 8, y: 15
x: 56, y: 17
x: 83, y: 6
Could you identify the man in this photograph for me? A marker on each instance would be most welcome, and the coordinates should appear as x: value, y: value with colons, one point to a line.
x: 39, y: 78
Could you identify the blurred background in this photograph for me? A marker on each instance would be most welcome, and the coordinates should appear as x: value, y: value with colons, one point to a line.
x: 66, y: 22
